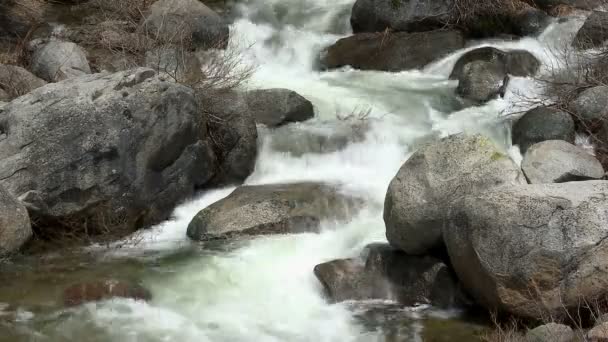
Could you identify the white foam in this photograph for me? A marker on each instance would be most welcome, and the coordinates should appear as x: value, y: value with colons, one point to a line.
x: 266, y: 291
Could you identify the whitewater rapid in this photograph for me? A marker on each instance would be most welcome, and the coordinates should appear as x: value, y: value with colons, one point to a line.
x: 264, y: 290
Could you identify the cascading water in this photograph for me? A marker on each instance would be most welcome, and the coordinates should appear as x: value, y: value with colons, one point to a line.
x: 366, y: 125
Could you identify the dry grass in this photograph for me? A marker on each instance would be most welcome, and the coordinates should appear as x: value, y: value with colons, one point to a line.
x: 117, y: 37
x: 581, y: 71
x: 488, y: 17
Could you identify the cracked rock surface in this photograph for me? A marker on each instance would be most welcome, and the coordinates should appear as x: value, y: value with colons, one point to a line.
x: 105, y: 151
x: 516, y: 247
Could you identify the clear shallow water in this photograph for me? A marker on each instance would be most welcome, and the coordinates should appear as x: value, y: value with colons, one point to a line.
x: 264, y: 289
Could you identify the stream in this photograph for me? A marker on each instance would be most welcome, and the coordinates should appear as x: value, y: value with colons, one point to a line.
x: 366, y: 125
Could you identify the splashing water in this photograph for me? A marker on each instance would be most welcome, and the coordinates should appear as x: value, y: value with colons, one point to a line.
x: 264, y: 289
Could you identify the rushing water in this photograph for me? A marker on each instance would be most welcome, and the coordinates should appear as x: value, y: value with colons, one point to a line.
x: 366, y: 126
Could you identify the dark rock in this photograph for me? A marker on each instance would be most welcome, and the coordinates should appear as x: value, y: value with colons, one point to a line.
x: 557, y: 161
x: 482, y: 73
x: 58, y: 60
x: 103, y: 290
x: 515, y: 62
x: 541, y: 124
x: 482, y: 81
x: 15, y: 228
x: 234, y: 134
x: 594, y: 32
x: 275, y: 107
x: 270, y: 209
x: 347, y: 279
x: 175, y: 21
x: 391, y: 51
x: 113, y: 151
x: 390, y: 274
x: 418, y: 198
x: 530, y: 22
x: 400, y: 15
x: 414, y: 279
x: 532, y: 250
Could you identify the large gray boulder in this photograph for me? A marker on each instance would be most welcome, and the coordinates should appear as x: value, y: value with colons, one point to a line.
x: 389, y: 274
x: 541, y: 124
x: 57, y: 60
x: 276, y: 107
x: 114, y: 152
x: 233, y: 134
x: 178, y: 64
x: 178, y: 21
x: 400, y: 15
x: 556, y: 161
x: 16, y: 81
x: 15, y: 227
x: 435, y: 176
x: 533, y: 251
x: 591, y: 105
x: 391, y: 51
x: 514, y: 62
x: 594, y: 33
x: 270, y: 209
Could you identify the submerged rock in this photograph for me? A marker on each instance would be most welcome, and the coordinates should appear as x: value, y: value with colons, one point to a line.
x: 103, y: 290
x: 435, y: 176
x: 594, y: 33
x: 400, y: 15
x: 556, y: 161
x: 270, y: 209
x: 316, y: 138
x: 541, y: 124
x: 391, y: 51
x: 177, y: 21
x: 114, y: 152
x: 390, y: 274
x: 276, y: 107
x: 15, y: 227
x: 532, y: 250
x: 58, y: 60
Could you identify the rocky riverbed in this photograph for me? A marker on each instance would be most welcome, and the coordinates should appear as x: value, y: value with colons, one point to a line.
x: 288, y: 170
